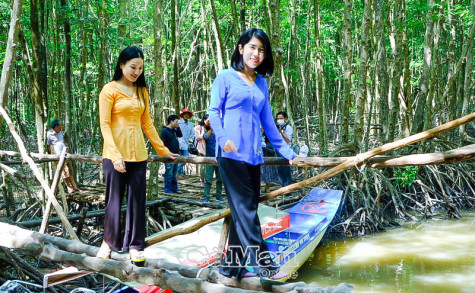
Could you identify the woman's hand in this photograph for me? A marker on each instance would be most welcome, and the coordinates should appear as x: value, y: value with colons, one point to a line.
x: 292, y: 161
x: 171, y: 155
x: 229, y: 146
x: 119, y: 165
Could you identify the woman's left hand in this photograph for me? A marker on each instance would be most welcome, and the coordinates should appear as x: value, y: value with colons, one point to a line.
x: 171, y: 155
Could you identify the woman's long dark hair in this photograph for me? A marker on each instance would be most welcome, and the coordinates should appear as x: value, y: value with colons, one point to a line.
x: 202, y: 122
x: 126, y: 55
x: 267, y: 66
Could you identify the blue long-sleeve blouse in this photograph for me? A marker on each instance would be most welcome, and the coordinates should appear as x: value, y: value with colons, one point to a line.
x: 236, y: 112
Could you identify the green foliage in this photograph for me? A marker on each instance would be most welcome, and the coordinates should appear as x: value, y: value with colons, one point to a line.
x: 405, y: 176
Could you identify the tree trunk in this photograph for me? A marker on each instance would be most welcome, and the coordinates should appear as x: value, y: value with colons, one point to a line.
x: 101, y: 14
x: 418, y: 122
x: 452, y: 35
x: 236, y: 28
x: 435, y: 78
x: 175, y: 52
x: 347, y: 62
x: 381, y: 71
x: 467, y: 90
x: 37, y: 91
x: 406, y: 87
x: 123, y: 23
x: 242, y: 16
x: 44, y: 67
x: 217, y: 35
x: 10, y: 56
x: 396, y: 71
x: 67, y: 68
x: 361, y: 97
x: 159, y: 84
x: 277, y: 86
x: 102, y: 46
x: 322, y: 113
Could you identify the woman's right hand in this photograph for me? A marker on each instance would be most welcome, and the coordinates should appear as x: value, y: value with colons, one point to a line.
x: 119, y: 165
x: 171, y: 155
x: 229, y: 146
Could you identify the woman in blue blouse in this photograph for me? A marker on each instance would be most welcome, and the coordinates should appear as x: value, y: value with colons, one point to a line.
x: 239, y: 106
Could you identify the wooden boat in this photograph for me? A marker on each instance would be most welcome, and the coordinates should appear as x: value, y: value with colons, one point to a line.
x: 291, y: 235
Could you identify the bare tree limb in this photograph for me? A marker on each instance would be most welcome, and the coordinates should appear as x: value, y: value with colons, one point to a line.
x: 455, y: 155
x: 10, y: 55
x: 157, y: 272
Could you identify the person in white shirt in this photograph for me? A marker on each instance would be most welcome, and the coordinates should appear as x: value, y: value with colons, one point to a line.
x: 187, y: 129
x: 285, y: 174
x: 55, y: 142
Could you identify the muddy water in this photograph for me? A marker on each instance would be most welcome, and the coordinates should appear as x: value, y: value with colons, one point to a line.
x: 430, y: 256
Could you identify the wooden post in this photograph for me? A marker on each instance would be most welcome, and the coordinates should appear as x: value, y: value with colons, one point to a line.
x: 82, y: 220
x: 223, y: 238
x: 54, y: 185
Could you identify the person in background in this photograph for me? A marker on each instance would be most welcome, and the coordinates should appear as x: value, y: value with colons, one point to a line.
x: 211, y: 170
x: 239, y: 105
x: 285, y: 174
x: 269, y: 174
x: 170, y: 134
x: 124, y: 112
x: 201, y: 146
x: 186, y: 127
x: 55, y: 142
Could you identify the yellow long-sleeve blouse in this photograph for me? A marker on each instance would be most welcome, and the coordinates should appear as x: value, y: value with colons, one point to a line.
x: 122, y: 119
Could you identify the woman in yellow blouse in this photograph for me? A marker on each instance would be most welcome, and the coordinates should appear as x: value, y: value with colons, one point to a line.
x: 124, y: 113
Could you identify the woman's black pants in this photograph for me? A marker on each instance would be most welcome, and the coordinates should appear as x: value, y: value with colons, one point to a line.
x: 246, y: 251
x: 134, y: 181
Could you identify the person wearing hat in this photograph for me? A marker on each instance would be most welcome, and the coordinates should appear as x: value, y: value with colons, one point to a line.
x: 187, y: 129
x: 55, y: 142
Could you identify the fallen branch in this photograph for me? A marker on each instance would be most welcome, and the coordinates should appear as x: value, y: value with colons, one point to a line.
x: 12, y: 171
x: 187, y: 230
x: 81, y: 256
x: 455, y: 155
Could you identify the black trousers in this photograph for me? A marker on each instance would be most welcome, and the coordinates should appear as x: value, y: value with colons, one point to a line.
x: 246, y: 251
x: 134, y: 181
x: 285, y: 176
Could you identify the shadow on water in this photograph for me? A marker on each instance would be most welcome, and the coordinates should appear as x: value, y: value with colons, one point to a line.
x: 430, y: 256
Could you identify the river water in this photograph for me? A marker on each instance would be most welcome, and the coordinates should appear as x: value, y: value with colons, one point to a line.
x: 430, y: 256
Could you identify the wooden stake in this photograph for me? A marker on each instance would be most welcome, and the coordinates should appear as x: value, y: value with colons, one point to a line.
x: 54, y: 186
